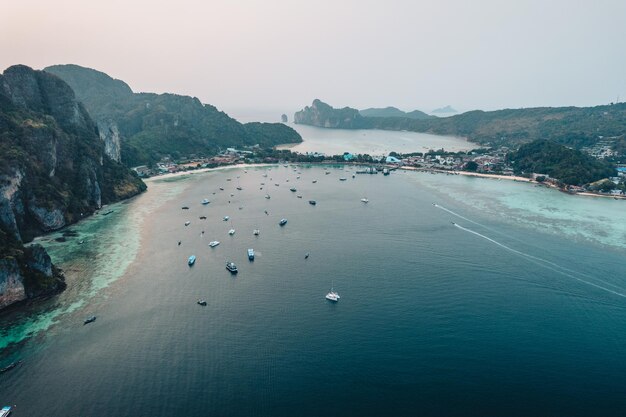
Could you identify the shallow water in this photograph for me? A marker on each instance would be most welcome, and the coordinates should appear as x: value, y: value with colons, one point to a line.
x: 517, y: 309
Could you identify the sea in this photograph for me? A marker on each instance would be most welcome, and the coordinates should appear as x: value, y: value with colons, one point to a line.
x: 459, y: 296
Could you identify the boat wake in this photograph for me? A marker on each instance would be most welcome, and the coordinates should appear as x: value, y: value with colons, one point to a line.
x: 551, y: 265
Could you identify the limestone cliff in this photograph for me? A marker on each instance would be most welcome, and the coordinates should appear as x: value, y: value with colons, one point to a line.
x: 54, y: 170
x: 322, y: 115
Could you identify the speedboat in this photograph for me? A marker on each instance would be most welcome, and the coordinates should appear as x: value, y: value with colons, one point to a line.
x: 282, y: 222
x: 231, y: 232
x: 191, y: 260
x: 226, y: 218
x: 89, y: 320
x: 187, y: 223
x: 205, y: 201
x: 365, y: 200
x: 312, y: 202
x: 231, y: 267
x: 251, y: 254
x: 202, y: 302
x: 5, y: 411
x: 332, y: 296
x: 256, y: 232
x: 214, y: 243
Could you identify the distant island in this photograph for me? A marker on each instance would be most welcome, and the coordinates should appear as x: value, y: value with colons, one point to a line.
x: 445, y: 110
x: 144, y: 128
x: 393, y: 112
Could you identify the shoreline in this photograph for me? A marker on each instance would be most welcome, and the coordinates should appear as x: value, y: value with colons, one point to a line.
x: 514, y: 178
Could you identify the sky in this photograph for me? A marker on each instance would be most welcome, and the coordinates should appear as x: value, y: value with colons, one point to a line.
x: 279, y: 55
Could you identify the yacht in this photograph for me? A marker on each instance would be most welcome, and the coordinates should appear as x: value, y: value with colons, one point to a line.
x: 214, y: 243
x: 365, y: 200
x: 187, y: 223
x: 256, y: 232
x: 282, y: 222
x: 205, y: 201
x: 226, y: 218
x: 231, y: 232
x: 5, y: 411
x: 251, y: 254
x: 89, y: 320
x: 202, y: 302
x: 231, y: 267
x: 312, y: 202
x: 332, y: 296
x: 191, y: 260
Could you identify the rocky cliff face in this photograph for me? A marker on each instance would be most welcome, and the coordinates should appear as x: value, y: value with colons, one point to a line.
x: 53, y: 171
x: 110, y: 135
x: 322, y: 115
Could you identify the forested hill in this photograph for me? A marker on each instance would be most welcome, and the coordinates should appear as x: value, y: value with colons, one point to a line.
x: 571, y: 126
x: 557, y: 161
x: 141, y: 128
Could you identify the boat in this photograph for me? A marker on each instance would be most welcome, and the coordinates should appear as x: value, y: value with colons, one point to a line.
x: 185, y: 208
x: 191, y: 260
x: 342, y: 179
x: 277, y: 184
x: 228, y: 179
x: 5, y: 411
x: 385, y: 171
x: 353, y: 176
x: 251, y: 254
x: 282, y: 222
x: 306, y: 256
x: 299, y: 196
x: 9, y: 367
x: 314, y: 181
x: 205, y: 201
x: 298, y: 177
x: 239, y: 188
x: 267, y: 196
x: 365, y: 200
x: 201, y: 302
x: 214, y: 243
x: 256, y: 232
x: 332, y: 296
x: 226, y: 218
x: 231, y: 232
x: 327, y: 173
x: 293, y: 189
x: 187, y: 223
x: 89, y: 320
x: 222, y: 188
x: 312, y: 202
x: 202, y: 217
x: 231, y: 267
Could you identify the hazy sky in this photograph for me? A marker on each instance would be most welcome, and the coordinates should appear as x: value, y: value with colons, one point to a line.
x: 281, y: 54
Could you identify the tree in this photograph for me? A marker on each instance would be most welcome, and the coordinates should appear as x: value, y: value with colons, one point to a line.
x: 471, y: 166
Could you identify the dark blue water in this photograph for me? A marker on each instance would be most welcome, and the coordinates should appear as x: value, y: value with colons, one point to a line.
x: 433, y: 320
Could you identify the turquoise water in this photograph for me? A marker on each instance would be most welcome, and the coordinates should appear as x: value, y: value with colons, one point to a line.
x: 459, y: 296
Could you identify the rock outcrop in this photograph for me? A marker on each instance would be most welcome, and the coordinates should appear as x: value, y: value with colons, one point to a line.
x: 54, y: 170
x: 322, y: 115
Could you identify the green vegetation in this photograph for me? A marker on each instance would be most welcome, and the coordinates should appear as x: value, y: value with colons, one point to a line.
x: 567, y: 165
x: 393, y: 112
x: 152, y: 126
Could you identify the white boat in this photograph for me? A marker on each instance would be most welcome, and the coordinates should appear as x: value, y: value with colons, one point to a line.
x: 214, y: 243
x: 187, y: 223
x: 226, y: 218
x: 231, y: 232
x: 365, y: 200
x: 5, y: 411
x: 256, y: 232
x: 282, y: 222
x: 191, y: 260
x: 314, y: 181
x: 251, y: 254
x: 205, y: 201
x: 267, y: 196
x: 332, y: 296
